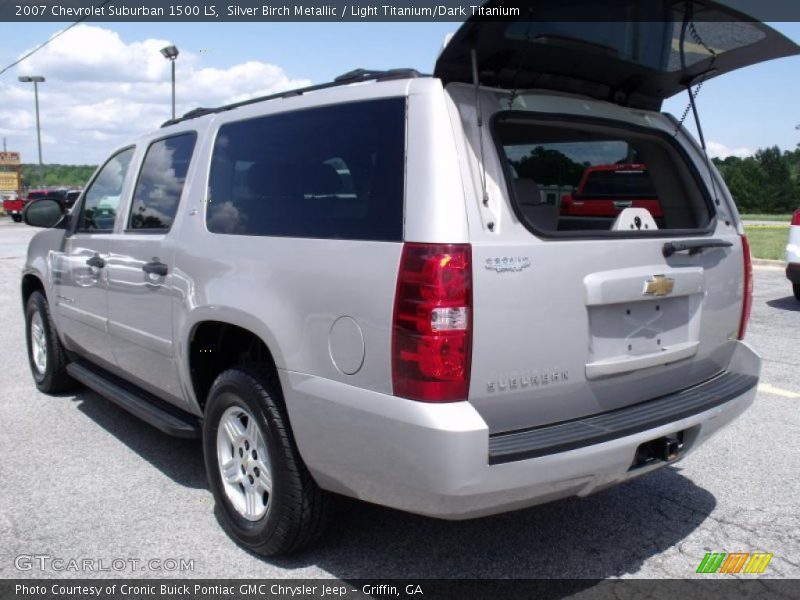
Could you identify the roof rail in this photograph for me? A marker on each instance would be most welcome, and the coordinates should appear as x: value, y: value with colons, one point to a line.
x: 354, y: 76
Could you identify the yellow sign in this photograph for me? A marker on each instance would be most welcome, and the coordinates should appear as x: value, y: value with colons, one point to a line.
x: 9, y: 158
x: 9, y: 182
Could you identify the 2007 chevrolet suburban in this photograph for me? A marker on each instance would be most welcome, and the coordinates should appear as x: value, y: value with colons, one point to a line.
x: 368, y: 288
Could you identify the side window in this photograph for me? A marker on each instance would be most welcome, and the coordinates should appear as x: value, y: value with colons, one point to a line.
x: 335, y: 172
x: 101, y: 199
x: 160, y: 185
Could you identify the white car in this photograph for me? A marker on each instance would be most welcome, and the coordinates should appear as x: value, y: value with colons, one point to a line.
x: 793, y: 254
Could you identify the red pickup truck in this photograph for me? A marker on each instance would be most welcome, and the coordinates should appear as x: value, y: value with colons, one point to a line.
x: 606, y: 190
x: 14, y: 207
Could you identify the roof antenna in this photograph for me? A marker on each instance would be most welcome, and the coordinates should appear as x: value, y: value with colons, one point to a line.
x: 479, y: 114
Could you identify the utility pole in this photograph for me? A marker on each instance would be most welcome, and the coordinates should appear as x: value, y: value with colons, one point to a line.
x: 36, y: 80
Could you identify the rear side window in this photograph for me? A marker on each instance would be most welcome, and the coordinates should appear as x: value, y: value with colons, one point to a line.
x: 332, y: 172
x: 99, y: 211
x: 575, y: 177
x: 160, y: 185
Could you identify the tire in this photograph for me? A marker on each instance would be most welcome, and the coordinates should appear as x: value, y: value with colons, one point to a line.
x: 246, y: 428
x: 796, y: 289
x: 46, y: 355
x: 17, y: 218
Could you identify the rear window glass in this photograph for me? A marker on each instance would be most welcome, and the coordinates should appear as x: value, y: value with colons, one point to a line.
x: 160, y: 185
x: 653, y: 44
x: 331, y: 172
x: 574, y: 177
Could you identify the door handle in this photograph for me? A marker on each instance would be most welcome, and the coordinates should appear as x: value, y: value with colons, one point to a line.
x: 96, y: 261
x: 620, y: 204
x: 155, y: 268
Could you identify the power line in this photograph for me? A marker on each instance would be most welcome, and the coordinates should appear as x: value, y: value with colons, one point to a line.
x: 42, y: 45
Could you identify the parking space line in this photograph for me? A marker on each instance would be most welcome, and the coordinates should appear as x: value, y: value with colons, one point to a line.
x: 771, y: 389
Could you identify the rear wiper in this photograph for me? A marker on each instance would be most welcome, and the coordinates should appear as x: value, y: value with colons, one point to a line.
x: 692, y: 246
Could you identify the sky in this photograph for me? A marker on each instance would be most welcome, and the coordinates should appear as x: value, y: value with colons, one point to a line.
x: 107, y: 82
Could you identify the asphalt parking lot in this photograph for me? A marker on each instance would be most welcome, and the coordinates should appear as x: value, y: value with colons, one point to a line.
x: 80, y: 478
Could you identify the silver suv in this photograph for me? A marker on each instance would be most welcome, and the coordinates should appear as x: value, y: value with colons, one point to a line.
x: 374, y: 287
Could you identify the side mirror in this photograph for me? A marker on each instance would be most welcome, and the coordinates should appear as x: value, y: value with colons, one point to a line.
x: 43, y: 212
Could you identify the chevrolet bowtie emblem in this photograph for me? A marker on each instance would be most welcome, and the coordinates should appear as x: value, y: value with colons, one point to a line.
x: 658, y: 285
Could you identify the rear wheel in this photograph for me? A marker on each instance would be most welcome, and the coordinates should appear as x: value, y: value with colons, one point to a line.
x: 46, y: 355
x: 17, y: 218
x: 266, y: 497
x: 796, y: 288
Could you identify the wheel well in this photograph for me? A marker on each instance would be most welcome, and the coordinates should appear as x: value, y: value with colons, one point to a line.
x: 30, y: 284
x: 215, y: 347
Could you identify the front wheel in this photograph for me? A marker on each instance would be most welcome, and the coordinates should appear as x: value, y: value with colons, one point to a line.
x: 46, y: 355
x: 264, y: 493
x: 17, y: 218
x: 796, y: 288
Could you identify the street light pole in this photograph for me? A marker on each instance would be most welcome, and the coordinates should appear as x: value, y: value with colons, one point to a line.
x: 36, y: 80
x: 172, y: 64
x: 171, y: 53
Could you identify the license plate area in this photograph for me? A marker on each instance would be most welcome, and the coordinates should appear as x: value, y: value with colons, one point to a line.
x: 637, y: 328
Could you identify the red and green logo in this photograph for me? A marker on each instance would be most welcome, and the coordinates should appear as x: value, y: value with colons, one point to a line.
x: 734, y: 562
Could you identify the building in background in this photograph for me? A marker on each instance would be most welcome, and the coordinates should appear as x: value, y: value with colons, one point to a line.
x: 10, y: 175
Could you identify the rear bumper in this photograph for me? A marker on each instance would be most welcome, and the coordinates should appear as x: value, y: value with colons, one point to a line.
x: 793, y: 249
x: 436, y: 459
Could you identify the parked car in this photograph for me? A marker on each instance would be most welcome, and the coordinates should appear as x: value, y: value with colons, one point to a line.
x: 35, y: 194
x: 793, y: 254
x: 16, y: 207
x: 70, y: 197
x: 13, y: 206
x: 344, y: 289
x: 604, y: 191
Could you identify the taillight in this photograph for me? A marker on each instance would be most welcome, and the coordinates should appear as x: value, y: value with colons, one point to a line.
x: 432, y: 328
x: 747, y: 301
x: 796, y: 217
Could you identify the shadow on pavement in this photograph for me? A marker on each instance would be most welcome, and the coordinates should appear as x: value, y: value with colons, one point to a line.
x: 788, y: 303
x: 605, y: 535
x: 179, y: 459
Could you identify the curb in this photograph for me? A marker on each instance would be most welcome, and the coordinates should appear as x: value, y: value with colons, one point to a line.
x: 763, y: 262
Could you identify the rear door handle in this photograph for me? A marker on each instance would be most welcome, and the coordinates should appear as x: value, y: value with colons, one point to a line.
x: 155, y: 268
x: 620, y: 204
x: 96, y: 261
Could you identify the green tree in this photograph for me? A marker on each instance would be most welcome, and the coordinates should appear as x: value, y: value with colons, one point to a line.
x: 50, y: 175
x: 549, y: 167
x: 779, y: 192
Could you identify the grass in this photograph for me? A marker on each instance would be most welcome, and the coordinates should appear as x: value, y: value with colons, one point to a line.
x: 768, y: 241
x: 763, y: 217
